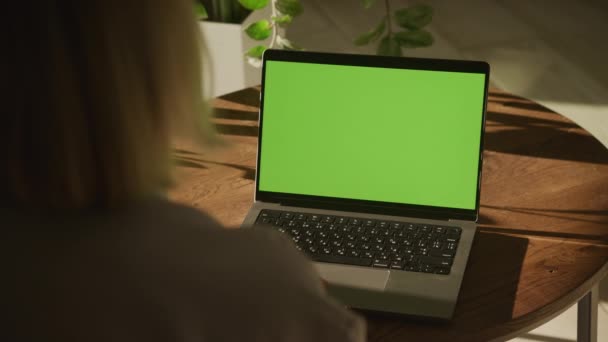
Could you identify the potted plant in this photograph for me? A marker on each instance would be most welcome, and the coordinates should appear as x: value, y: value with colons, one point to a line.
x: 401, y: 29
x: 237, y: 32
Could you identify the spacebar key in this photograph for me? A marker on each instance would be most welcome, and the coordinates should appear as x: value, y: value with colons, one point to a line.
x: 337, y: 259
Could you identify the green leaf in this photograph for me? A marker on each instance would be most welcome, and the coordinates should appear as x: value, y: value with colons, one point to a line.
x: 282, y: 20
x: 389, y: 46
x: 368, y: 3
x: 372, y: 35
x: 287, y: 44
x: 256, y: 51
x: 253, y: 4
x: 201, y: 11
x: 291, y: 7
x: 414, y: 39
x: 259, y: 30
x: 414, y: 17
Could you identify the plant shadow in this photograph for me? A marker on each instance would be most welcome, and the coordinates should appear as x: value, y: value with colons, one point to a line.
x: 540, y: 133
x: 188, y: 159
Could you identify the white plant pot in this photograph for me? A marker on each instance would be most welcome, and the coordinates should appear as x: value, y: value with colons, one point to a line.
x: 226, y: 47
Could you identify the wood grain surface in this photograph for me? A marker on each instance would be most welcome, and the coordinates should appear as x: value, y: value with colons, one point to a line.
x: 543, y: 229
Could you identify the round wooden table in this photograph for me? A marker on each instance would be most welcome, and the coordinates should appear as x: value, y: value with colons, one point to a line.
x: 542, y: 242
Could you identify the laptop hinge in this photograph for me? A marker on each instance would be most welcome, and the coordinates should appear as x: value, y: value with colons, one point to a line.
x: 370, y: 210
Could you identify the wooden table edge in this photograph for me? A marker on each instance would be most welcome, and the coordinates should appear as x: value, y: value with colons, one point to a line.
x: 562, y: 304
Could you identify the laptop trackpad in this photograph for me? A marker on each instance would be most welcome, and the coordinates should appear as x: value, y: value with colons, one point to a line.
x: 357, y: 277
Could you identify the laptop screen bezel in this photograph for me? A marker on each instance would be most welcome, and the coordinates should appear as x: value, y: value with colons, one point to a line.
x: 355, y: 205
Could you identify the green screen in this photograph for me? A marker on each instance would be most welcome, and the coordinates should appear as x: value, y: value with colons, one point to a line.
x: 378, y: 134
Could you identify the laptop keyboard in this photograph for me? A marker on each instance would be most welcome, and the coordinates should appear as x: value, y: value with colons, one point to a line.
x: 365, y: 242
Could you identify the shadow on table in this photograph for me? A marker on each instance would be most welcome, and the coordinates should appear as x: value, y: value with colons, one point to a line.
x: 186, y: 159
x: 247, y: 97
x: 486, y: 300
x: 544, y: 136
x: 589, y: 216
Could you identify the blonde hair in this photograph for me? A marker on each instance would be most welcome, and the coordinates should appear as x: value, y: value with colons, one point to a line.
x: 94, y: 92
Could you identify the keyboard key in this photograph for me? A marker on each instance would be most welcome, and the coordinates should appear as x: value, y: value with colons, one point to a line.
x: 412, y: 228
x: 378, y: 247
x: 346, y: 229
x: 340, y: 220
x: 315, y: 218
x: 346, y: 260
x: 270, y: 213
x: 438, y: 253
x: 358, y: 230
x: 319, y: 225
x: 396, y: 225
x: 442, y: 270
x: 434, y: 261
x: 365, y: 246
x: 354, y: 222
x: 327, y: 219
x: 366, y: 242
x: 380, y: 263
x: 428, y: 269
x: 369, y: 223
x: 397, y: 265
x: 450, y: 246
x: 382, y: 256
x: 397, y: 257
x: 294, y: 223
x: 451, y: 237
x: 454, y: 230
x: 287, y: 216
x: 439, y: 230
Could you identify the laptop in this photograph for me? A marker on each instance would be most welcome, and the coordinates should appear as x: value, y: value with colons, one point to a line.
x: 372, y: 166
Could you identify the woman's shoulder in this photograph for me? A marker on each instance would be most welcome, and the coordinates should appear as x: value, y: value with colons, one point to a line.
x: 164, y: 258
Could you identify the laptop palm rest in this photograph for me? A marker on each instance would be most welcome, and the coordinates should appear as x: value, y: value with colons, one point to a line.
x: 354, y: 277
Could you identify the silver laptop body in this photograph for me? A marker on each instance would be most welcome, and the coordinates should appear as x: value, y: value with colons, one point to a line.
x: 381, y: 289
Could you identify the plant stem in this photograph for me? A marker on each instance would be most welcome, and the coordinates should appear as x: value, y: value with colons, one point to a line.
x: 388, y: 18
x: 274, y: 25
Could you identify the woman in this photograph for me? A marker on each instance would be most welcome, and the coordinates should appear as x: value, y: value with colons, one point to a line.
x: 93, y: 91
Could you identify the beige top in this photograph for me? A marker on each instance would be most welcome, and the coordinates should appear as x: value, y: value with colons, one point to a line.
x: 159, y: 272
